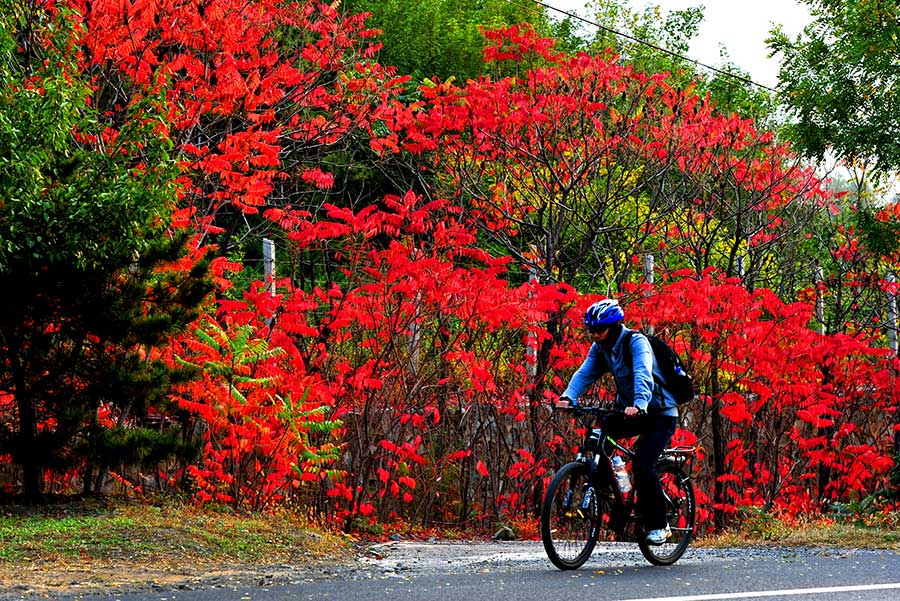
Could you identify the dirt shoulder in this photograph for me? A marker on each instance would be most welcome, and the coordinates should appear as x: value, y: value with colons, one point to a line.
x: 45, y: 579
x: 83, y: 546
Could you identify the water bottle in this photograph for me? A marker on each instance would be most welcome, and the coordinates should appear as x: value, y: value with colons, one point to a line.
x: 622, y: 477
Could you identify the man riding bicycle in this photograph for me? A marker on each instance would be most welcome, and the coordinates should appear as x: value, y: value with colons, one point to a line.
x: 650, y: 411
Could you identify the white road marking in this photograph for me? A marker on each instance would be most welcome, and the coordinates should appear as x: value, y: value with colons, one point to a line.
x: 777, y: 593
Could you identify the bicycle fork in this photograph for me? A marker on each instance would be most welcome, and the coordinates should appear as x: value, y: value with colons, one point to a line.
x: 585, y: 506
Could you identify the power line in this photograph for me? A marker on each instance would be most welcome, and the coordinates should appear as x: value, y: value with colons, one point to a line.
x: 646, y: 43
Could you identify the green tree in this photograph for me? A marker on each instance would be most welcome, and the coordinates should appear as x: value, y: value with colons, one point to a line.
x: 86, y: 254
x: 442, y: 38
x: 840, y: 85
x: 840, y: 81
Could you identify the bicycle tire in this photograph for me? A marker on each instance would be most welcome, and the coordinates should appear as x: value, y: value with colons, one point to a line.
x: 681, y: 513
x: 570, y: 517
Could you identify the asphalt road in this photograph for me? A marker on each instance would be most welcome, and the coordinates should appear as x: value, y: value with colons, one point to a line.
x: 406, y: 571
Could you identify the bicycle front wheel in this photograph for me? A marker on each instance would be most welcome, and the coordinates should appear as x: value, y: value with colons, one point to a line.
x: 680, y: 511
x: 569, y: 517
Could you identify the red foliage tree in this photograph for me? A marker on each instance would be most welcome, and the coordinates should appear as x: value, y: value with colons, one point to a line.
x: 259, y: 93
x: 582, y: 163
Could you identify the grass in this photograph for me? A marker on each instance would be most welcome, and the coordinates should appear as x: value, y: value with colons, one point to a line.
x: 867, y: 530
x: 814, y: 535
x: 116, y: 531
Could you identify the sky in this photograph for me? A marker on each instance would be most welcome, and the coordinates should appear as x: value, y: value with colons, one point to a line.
x: 741, y: 27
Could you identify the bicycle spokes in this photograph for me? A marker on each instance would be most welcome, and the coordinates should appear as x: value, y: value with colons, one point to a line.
x: 569, y: 517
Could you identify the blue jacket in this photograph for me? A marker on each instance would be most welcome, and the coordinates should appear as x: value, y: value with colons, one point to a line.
x: 635, y: 384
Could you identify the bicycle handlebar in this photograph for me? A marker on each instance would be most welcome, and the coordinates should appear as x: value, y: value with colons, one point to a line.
x: 581, y: 410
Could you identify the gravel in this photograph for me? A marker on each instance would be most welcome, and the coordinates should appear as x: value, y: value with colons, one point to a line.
x: 410, y: 558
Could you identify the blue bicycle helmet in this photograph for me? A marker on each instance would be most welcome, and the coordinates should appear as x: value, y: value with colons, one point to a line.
x: 603, y: 314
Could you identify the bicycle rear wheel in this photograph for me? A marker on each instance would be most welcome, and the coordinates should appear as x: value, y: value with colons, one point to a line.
x: 680, y: 511
x: 570, y: 517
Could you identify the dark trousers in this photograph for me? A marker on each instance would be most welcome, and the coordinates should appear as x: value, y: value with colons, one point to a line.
x: 654, y: 433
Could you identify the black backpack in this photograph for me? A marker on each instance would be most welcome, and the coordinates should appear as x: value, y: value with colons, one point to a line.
x: 677, y: 380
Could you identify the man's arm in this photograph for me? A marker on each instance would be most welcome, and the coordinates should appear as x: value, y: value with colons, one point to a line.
x: 642, y: 358
x: 593, y: 367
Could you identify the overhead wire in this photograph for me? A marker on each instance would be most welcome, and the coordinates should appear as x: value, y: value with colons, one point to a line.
x: 637, y: 40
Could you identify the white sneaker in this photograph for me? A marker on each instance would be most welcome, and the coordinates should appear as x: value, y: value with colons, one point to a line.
x: 658, y: 537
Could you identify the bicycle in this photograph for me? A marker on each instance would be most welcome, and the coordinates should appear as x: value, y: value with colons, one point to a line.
x: 584, y: 498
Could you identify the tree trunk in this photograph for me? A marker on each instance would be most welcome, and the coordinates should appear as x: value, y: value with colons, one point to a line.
x: 719, y: 443
x: 32, y: 477
x: 827, y: 433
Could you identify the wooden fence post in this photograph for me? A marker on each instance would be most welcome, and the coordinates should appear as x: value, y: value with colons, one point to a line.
x: 648, y: 277
x: 820, y: 300
x: 531, y: 344
x: 892, y: 314
x: 268, y: 248
x: 414, y: 339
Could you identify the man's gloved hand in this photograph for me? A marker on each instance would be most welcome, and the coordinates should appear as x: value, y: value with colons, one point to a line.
x: 565, y: 402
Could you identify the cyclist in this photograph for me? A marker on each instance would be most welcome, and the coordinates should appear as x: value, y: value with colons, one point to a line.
x: 649, y: 410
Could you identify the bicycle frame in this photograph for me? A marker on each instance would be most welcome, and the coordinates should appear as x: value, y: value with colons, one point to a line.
x: 597, y: 450
x: 584, y: 497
